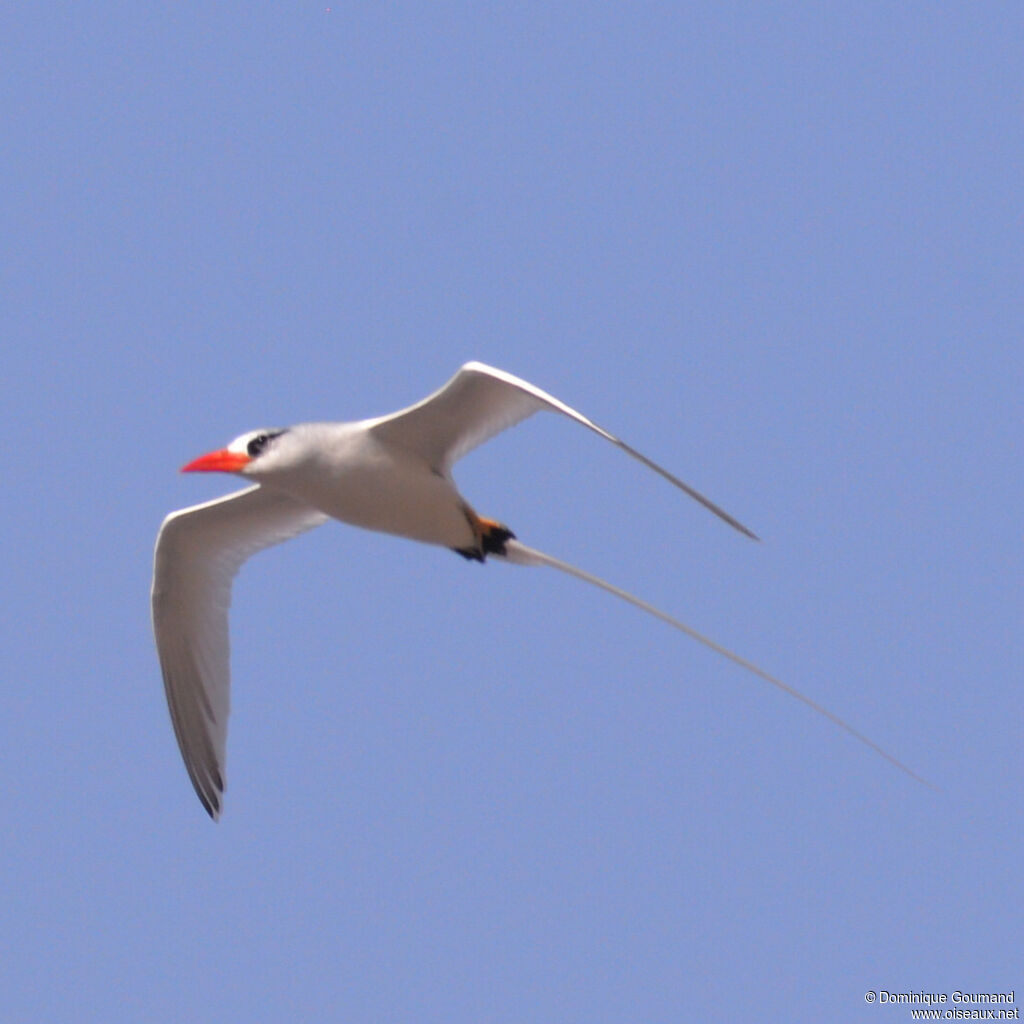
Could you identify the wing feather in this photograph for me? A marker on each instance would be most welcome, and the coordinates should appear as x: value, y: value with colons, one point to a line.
x: 481, y: 401
x: 198, y: 552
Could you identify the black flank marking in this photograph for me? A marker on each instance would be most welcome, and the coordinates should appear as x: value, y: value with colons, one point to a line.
x: 493, y: 541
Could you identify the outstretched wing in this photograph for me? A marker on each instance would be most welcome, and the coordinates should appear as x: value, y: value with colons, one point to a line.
x: 479, y: 402
x: 198, y: 552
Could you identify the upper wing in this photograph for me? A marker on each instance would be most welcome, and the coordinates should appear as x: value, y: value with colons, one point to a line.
x: 198, y: 552
x: 479, y: 402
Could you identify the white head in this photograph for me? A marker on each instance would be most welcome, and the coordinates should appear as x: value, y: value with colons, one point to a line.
x: 248, y: 454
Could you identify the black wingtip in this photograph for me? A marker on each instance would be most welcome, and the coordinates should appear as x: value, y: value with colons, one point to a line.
x: 722, y: 514
x: 210, y: 801
x: 728, y: 519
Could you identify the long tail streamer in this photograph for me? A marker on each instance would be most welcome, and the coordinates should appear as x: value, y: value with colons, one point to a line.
x: 519, y: 554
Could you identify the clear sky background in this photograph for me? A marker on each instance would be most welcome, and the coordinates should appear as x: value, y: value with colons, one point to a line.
x: 777, y: 247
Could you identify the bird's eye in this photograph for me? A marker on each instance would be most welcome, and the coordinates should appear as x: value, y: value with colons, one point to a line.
x: 257, y: 444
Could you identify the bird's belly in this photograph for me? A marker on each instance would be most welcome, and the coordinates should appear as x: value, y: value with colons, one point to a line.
x: 392, y: 493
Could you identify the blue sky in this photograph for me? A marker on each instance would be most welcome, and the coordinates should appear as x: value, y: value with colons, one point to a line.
x: 775, y: 247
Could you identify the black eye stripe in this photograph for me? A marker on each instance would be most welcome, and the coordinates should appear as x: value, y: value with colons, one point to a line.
x: 258, y: 443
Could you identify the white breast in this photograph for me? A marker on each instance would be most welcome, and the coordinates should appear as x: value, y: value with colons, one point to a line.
x: 356, y: 477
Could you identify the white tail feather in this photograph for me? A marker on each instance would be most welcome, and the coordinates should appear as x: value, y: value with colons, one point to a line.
x: 520, y: 554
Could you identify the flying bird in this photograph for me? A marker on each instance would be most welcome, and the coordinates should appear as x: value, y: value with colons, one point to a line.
x: 391, y: 474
